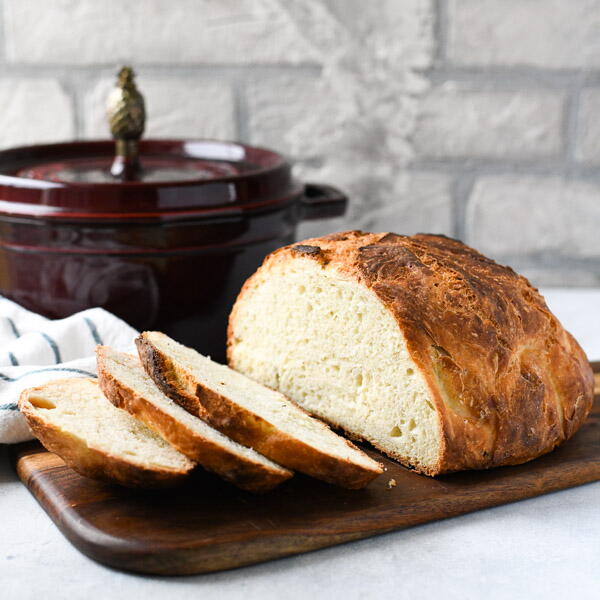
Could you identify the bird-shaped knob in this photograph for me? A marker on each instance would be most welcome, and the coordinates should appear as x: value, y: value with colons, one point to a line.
x: 127, y: 116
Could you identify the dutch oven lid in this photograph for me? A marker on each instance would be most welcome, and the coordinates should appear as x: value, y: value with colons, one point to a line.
x: 133, y: 178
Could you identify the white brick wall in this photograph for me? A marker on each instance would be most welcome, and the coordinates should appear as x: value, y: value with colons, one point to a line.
x: 153, y: 31
x: 588, y: 127
x: 457, y: 122
x: 34, y: 111
x: 283, y: 113
x: 423, y: 203
x: 349, y: 123
x: 554, y: 34
x: 513, y: 216
x: 558, y: 276
x: 474, y: 118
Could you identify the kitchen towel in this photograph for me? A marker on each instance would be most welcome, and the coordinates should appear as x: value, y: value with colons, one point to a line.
x: 34, y: 350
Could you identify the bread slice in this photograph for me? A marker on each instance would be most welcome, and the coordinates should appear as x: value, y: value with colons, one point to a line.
x: 127, y: 386
x: 252, y: 414
x: 72, y: 418
x: 435, y: 354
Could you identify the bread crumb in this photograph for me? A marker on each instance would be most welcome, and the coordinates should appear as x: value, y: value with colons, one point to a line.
x: 391, y: 484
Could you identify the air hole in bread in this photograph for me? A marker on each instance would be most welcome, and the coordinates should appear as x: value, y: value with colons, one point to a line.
x: 40, y: 402
x: 396, y: 431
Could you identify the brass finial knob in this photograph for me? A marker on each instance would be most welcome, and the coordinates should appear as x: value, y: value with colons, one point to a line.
x: 127, y: 116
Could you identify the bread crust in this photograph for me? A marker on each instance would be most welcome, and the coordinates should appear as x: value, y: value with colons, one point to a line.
x: 174, y: 383
x: 249, y: 429
x: 238, y: 469
x: 508, y: 382
x: 89, y: 461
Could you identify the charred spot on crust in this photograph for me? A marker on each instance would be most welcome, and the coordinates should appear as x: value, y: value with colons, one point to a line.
x: 391, y: 237
x: 155, y: 366
x: 310, y: 250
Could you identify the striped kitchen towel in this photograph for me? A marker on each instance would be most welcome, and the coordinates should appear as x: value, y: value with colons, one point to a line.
x: 34, y: 350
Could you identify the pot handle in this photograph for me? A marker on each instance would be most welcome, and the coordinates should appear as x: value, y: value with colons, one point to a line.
x: 320, y: 201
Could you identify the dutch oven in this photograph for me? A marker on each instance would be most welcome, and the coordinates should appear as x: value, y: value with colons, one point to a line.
x: 163, y: 234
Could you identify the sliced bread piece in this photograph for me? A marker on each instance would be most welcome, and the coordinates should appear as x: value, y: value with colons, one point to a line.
x: 72, y: 418
x: 252, y: 414
x: 127, y: 386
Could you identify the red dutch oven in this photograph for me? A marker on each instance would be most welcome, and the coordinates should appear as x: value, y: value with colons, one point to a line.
x: 169, y: 250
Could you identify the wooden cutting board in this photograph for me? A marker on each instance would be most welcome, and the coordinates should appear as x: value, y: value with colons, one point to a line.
x: 209, y: 525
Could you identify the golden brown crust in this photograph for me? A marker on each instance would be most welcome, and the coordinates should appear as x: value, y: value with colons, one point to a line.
x: 251, y: 430
x: 178, y: 386
x: 241, y: 470
x: 91, y: 462
x: 509, y: 383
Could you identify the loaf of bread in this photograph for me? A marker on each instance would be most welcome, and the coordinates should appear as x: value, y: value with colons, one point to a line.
x: 127, y: 386
x: 72, y: 418
x: 252, y: 414
x: 435, y: 354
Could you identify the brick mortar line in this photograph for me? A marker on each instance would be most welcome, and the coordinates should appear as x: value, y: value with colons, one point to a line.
x: 440, y: 32
x: 514, y: 77
x: 77, y: 101
x: 2, y: 33
x: 475, y: 167
x: 461, y: 189
x: 550, y: 260
x: 571, y: 126
x: 241, y: 112
x: 219, y: 70
x: 70, y: 91
x: 472, y: 164
x: 75, y: 86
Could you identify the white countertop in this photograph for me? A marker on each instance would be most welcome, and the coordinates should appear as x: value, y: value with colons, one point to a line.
x: 546, y: 547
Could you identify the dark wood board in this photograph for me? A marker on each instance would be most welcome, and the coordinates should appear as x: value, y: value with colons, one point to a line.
x: 210, y: 526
